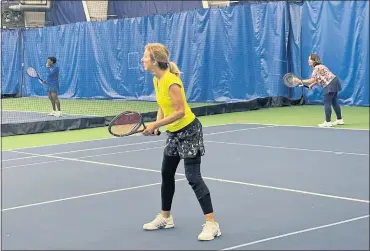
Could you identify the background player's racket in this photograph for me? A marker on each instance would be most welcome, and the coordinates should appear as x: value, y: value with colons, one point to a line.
x: 127, y: 123
x: 288, y: 80
x: 32, y: 73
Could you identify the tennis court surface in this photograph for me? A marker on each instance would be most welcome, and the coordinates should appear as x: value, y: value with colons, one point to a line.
x: 273, y: 187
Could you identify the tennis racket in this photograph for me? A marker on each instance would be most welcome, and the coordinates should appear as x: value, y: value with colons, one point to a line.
x: 289, y: 81
x: 126, y: 124
x: 32, y: 73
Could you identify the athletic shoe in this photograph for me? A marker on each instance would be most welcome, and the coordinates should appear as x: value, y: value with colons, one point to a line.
x: 160, y: 222
x: 338, y: 122
x: 210, y: 231
x: 326, y: 124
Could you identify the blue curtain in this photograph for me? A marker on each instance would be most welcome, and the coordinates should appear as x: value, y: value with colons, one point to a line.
x: 65, y: 12
x: 339, y: 32
x: 11, y: 62
x: 225, y: 54
x: 124, y: 9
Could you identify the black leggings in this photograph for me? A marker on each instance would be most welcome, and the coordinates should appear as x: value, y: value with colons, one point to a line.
x: 194, y: 177
x: 331, y: 99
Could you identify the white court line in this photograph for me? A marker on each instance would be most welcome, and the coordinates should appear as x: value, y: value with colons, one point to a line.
x: 90, y: 149
x: 208, y: 178
x: 314, y: 127
x: 239, y: 123
x: 32, y: 164
x: 287, y: 148
x: 92, y: 140
x: 288, y: 190
x: 210, y: 141
x: 65, y: 114
x: 297, y: 232
x: 131, y: 144
x: 84, y: 196
x: 89, y: 156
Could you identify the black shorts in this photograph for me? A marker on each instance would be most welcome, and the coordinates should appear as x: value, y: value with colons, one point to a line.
x: 187, y: 142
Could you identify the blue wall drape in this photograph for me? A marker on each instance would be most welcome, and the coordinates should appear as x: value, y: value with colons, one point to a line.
x: 11, y: 62
x: 125, y: 9
x: 65, y: 12
x: 225, y: 54
x: 339, y: 32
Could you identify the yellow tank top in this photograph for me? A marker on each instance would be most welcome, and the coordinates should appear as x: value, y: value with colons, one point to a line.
x: 165, y: 103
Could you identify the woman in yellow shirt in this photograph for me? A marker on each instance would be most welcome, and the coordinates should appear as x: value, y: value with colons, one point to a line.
x: 185, y: 140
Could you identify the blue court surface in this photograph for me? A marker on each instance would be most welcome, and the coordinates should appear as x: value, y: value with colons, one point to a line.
x: 273, y: 187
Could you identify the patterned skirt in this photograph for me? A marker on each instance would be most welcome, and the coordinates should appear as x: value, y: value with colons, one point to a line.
x: 187, y: 142
x: 333, y: 86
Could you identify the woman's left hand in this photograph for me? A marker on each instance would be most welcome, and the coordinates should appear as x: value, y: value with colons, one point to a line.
x: 149, y: 130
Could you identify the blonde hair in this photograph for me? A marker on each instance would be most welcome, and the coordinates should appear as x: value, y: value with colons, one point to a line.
x: 159, y: 54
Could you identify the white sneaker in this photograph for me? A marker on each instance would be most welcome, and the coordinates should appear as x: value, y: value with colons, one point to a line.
x: 210, y: 231
x: 52, y: 113
x: 58, y: 114
x: 325, y: 124
x: 338, y: 122
x: 160, y: 222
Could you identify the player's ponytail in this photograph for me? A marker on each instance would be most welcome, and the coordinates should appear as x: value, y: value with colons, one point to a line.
x: 160, y: 55
x: 174, y: 69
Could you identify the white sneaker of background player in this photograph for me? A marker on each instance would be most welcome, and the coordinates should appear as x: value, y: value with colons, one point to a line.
x: 52, y: 113
x: 326, y: 124
x: 160, y: 222
x: 338, y: 122
x: 57, y: 114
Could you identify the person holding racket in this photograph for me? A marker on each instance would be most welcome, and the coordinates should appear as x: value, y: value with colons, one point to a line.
x: 184, y: 141
x: 330, y: 83
x: 52, y: 83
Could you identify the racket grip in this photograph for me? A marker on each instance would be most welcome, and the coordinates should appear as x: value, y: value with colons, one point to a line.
x: 305, y: 86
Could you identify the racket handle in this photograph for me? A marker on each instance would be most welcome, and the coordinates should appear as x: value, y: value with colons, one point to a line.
x: 155, y: 134
x: 305, y: 86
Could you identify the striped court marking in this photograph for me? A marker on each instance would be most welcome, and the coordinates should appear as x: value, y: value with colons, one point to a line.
x: 131, y: 144
x: 108, y: 138
x: 288, y: 148
x: 89, y: 156
x: 83, y: 196
x: 297, y: 232
x: 208, y: 178
x: 302, y: 126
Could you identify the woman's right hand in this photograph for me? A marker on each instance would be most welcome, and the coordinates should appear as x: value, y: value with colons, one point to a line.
x: 297, y: 81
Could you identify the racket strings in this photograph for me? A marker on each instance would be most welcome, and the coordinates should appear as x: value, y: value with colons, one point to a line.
x: 126, y: 123
x: 123, y: 129
x: 32, y: 72
x: 288, y: 79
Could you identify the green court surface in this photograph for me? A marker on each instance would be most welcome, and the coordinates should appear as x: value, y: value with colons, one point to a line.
x: 354, y: 117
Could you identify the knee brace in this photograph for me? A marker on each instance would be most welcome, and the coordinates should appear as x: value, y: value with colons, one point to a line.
x: 169, y: 166
x: 194, y: 177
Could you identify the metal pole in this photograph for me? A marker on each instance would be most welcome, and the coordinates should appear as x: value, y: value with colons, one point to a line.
x: 21, y: 35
